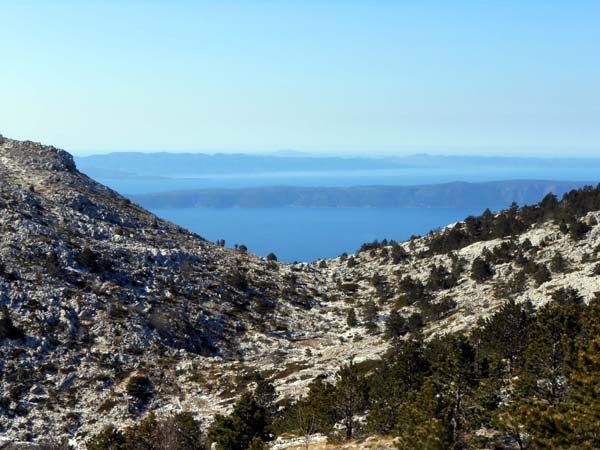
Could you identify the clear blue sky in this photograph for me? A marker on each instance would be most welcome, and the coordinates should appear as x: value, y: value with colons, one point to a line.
x: 334, y: 76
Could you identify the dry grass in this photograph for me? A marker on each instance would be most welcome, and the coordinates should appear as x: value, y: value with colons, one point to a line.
x: 370, y: 443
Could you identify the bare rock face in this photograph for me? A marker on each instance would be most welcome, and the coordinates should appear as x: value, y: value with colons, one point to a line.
x: 35, y: 156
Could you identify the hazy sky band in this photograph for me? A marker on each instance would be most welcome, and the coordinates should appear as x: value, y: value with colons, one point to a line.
x: 336, y: 76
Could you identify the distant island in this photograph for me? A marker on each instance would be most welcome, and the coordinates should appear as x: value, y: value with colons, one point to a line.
x: 133, y: 164
x: 495, y: 195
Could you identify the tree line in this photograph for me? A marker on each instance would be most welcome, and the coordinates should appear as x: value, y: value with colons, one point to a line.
x: 509, y: 222
x: 520, y: 379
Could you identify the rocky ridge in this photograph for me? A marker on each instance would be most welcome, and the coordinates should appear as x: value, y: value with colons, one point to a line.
x: 96, y: 291
x: 108, y: 312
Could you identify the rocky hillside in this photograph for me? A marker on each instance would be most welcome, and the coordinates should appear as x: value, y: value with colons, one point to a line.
x: 108, y: 312
x: 527, y: 267
x: 96, y: 292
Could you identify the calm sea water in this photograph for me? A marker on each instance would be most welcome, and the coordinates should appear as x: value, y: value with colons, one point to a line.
x: 350, y: 178
x: 311, y: 233
x: 306, y: 234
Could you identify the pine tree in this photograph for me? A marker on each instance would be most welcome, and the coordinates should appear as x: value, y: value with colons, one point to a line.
x: 186, y: 432
x: 422, y: 422
x: 108, y: 439
x: 401, y: 374
x: 7, y: 328
x: 578, y: 230
x: 350, y: 396
x: 142, y: 436
x: 236, y: 431
x: 575, y: 422
x: 258, y: 444
x: 551, y: 346
x: 454, y: 365
x: 315, y: 413
x: 541, y: 275
x: 370, y: 316
x: 505, y: 333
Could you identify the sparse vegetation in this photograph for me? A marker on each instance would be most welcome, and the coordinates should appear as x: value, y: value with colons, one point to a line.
x: 140, y: 388
x: 7, y: 329
x: 178, y: 432
x: 481, y: 270
x: 351, y: 319
x: 516, y: 220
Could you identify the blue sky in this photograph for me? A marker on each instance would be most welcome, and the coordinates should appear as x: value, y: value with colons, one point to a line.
x: 484, y: 77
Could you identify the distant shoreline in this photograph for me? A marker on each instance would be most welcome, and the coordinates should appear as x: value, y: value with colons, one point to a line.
x: 492, y: 194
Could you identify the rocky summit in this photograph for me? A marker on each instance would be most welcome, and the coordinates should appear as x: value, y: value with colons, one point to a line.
x: 108, y: 313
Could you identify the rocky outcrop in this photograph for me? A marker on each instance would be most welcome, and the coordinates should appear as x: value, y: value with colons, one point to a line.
x: 35, y: 156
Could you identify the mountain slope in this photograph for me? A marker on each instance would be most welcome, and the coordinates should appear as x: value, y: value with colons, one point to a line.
x: 97, y: 290
x: 107, y: 312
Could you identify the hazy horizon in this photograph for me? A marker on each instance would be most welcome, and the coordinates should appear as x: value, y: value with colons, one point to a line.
x: 432, y: 152
x: 341, y: 77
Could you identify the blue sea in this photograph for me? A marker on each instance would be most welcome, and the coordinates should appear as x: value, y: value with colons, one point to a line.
x: 307, y: 234
x: 392, y: 177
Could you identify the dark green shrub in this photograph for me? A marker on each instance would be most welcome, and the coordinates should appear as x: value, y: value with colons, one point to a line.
x: 413, y: 290
x: 351, y: 320
x: 541, y: 275
x: 395, y: 325
x: 109, y: 439
x: 440, y: 278
x: 7, y: 328
x: 436, y: 310
x: 237, y: 431
x: 578, y: 230
x: 558, y: 263
x: 52, y: 265
x: 90, y: 260
x: 369, y: 314
x: 258, y: 444
x: 399, y: 254
x: 481, y: 270
x: 237, y: 279
x: 140, y: 388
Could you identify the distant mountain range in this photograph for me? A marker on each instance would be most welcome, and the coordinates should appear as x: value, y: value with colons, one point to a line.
x: 495, y: 195
x: 130, y: 164
x: 195, y: 164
